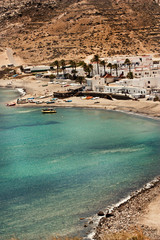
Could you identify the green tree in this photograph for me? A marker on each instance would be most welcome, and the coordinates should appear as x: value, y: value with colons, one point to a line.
x: 73, y: 66
x: 128, y: 63
x: 110, y: 66
x: 52, y: 76
x: 56, y: 63
x: 21, y: 68
x: 90, y: 66
x: 81, y: 63
x: 103, y: 63
x: 63, y: 64
x: 115, y: 66
x: 96, y: 59
x: 130, y: 75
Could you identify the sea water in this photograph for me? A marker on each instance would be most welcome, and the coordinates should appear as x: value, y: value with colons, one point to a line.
x: 58, y: 168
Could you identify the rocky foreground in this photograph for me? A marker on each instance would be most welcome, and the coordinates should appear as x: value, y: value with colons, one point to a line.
x: 141, y: 211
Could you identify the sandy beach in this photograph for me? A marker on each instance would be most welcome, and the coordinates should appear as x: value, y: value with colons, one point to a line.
x: 36, y: 88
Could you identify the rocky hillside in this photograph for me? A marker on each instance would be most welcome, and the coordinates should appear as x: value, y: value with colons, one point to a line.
x: 43, y: 30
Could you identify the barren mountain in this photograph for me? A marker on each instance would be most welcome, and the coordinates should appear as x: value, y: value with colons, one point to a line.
x: 42, y: 30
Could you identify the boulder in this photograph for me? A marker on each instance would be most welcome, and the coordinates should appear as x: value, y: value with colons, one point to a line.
x: 100, y: 213
x: 109, y: 215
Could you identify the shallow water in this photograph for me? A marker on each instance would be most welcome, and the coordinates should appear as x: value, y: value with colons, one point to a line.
x: 57, y: 168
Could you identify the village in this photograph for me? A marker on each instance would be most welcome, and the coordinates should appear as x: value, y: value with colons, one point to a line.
x: 126, y: 83
x: 135, y: 77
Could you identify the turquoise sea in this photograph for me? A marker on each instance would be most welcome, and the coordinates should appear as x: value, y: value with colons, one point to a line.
x: 58, y: 168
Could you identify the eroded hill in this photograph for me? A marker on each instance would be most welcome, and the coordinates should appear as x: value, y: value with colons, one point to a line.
x: 42, y: 30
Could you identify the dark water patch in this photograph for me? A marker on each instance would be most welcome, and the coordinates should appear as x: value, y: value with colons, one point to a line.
x: 30, y: 125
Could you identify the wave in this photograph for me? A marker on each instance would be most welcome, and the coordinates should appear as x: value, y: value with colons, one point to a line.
x: 27, y: 111
x: 120, y: 150
x: 21, y: 91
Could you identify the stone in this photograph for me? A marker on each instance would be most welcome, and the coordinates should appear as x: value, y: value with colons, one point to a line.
x: 109, y: 215
x: 100, y: 213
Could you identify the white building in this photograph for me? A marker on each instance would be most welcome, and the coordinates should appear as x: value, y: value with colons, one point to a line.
x: 37, y: 68
x: 133, y: 91
x: 99, y: 84
x: 147, y: 82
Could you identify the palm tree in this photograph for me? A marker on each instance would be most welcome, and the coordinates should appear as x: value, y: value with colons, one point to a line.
x: 96, y: 59
x: 90, y: 66
x: 115, y: 66
x: 103, y: 63
x: 73, y: 65
x: 63, y: 64
x: 81, y: 63
x: 56, y: 63
x: 128, y: 63
x: 87, y: 68
x: 110, y: 66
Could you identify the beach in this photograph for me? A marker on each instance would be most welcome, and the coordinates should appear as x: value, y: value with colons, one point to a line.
x: 36, y: 88
x: 140, y: 212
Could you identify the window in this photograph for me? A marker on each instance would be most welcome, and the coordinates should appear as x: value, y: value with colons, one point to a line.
x: 148, y: 82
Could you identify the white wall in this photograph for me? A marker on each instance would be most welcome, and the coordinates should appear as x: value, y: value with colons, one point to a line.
x: 150, y: 82
x: 130, y: 90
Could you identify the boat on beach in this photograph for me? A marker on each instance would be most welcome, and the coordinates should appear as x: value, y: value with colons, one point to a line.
x: 48, y: 110
x: 10, y: 104
x: 48, y: 102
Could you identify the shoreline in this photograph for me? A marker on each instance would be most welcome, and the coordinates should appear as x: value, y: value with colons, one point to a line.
x: 35, y: 88
x: 90, y: 108
x: 128, y: 214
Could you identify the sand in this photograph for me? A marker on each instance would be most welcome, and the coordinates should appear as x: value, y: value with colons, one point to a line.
x: 151, y: 216
x: 35, y: 88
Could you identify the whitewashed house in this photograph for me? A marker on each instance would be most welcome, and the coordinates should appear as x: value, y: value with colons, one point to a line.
x: 135, y: 92
x: 99, y: 84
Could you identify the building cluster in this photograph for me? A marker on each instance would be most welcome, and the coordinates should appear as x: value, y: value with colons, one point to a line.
x: 138, y: 78
x: 144, y: 81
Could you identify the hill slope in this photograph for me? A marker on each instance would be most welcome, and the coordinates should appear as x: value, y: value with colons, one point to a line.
x: 42, y: 30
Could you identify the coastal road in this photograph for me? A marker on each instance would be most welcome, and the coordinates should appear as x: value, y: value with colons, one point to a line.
x: 10, y: 56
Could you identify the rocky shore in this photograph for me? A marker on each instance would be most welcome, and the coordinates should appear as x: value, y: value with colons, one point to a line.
x: 140, y: 211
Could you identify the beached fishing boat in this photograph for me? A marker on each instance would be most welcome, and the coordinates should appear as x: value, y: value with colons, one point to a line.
x: 48, y: 110
x: 10, y: 104
x: 48, y: 102
x: 89, y: 97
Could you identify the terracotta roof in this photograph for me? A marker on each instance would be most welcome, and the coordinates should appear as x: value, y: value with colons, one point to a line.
x: 108, y: 76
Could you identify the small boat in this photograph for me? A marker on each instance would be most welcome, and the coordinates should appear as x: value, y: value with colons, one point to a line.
x: 89, y: 97
x: 10, y: 104
x: 48, y: 110
x: 68, y: 100
x: 48, y: 102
